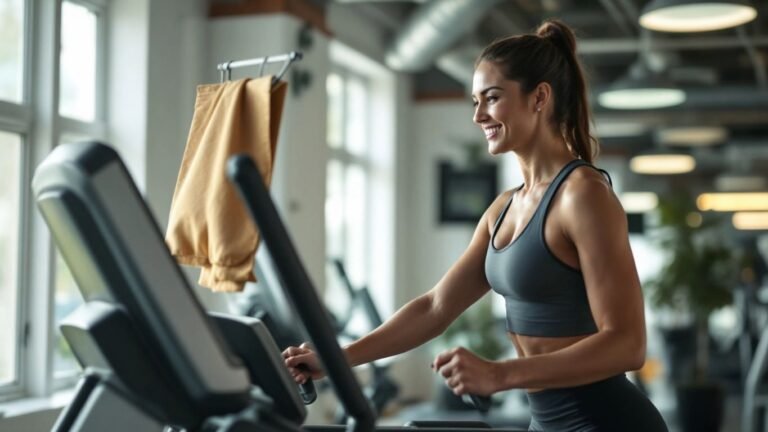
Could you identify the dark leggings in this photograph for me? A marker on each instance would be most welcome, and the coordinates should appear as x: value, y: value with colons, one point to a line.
x: 613, y: 404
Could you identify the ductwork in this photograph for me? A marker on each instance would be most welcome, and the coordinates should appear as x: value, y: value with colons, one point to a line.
x: 432, y: 29
x: 459, y: 63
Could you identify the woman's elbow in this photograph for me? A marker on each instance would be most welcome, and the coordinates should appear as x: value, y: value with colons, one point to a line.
x: 636, y: 352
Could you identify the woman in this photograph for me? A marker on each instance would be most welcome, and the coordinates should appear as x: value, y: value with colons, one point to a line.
x: 556, y: 248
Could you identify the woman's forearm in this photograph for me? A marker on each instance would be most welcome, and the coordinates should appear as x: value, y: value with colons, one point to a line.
x: 602, y: 355
x: 412, y: 325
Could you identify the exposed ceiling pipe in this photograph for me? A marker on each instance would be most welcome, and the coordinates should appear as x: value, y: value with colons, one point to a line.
x: 432, y: 29
x: 757, y: 60
x: 618, y: 17
x: 459, y: 63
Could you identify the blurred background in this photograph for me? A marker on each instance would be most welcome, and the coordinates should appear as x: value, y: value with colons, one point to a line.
x: 381, y: 175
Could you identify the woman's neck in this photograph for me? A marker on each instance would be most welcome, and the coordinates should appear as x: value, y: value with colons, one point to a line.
x: 543, y: 161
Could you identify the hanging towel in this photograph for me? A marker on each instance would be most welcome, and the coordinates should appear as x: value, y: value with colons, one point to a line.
x: 208, y: 226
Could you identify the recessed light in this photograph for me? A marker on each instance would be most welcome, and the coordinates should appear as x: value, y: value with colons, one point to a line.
x: 662, y: 164
x: 639, y: 202
x: 733, y: 201
x: 750, y: 220
x: 691, y: 135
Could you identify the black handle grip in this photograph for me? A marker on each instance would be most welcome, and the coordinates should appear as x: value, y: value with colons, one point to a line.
x: 307, y: 391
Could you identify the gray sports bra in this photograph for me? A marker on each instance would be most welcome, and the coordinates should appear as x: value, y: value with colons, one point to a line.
x: 544, y: 296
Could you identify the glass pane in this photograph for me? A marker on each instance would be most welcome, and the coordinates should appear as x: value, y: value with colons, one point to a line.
x: 66, y: 299
x: 357, y: 117
x: 335, y: 295
x: 335, y: 89
x: 77, y: 79
x: 355, y: 217
x: 11, y: 49
x: 10, y: 208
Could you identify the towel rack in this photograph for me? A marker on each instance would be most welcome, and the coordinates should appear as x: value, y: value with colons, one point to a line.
x: 225, y: 69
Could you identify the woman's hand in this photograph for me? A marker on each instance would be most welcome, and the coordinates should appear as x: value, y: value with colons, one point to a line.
x: 466, y: 373
x: 302, y: 363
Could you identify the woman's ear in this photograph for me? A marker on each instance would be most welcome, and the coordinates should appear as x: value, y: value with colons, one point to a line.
x: 542, y: 95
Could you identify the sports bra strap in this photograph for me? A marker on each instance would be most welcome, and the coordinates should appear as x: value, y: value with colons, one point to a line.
x: 506, y: 208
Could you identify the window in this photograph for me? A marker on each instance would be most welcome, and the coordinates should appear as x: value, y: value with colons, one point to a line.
x: 348, y: 175
x: 360, y: 183
x: 74, y: 60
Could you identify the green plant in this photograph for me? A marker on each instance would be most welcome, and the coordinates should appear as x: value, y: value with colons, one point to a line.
x: 699, y: 272
x: 476, y: 330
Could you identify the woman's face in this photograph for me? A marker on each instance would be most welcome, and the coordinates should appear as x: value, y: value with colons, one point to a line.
x: 502, y: 111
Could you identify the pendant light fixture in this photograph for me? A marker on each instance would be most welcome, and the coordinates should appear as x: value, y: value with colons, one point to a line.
x: 687, y: 16
x: 641, y: 89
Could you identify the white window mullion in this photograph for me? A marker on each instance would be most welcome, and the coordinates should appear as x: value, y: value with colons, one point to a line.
x: 74, y: 130
x: 38, y: 255
x: 14, y: 117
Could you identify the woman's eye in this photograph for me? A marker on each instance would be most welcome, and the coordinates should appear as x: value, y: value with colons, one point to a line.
x: 474, y: 103
x: 492, y: 98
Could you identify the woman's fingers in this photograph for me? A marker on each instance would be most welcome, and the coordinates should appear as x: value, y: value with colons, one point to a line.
x: 294, y: 351
x: 296, y: 360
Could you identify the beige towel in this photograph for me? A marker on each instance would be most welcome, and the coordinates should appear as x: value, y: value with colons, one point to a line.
x: 208, y: 225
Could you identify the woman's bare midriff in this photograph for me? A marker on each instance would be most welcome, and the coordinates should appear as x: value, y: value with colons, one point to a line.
x: 527, y: 346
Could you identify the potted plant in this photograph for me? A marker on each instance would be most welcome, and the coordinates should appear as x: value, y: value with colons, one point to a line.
x: 696, y: 279
x: 476, y: 330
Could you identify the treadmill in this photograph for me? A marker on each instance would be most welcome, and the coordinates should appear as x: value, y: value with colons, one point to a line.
x: 154, y: 360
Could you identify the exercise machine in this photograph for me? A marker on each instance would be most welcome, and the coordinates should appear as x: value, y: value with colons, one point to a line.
x: 154, y: 358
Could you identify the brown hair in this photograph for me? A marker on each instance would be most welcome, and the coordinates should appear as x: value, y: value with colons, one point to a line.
x: 549, y: 56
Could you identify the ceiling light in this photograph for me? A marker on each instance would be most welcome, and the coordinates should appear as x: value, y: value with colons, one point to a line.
x: 682, y: 16
x: 662, y: 164
x: 692, y: 135
x: 733, y: 201
x: 643, y: 87
x: 641, y: 98
x: 639, y: 202
x: 750, y: 220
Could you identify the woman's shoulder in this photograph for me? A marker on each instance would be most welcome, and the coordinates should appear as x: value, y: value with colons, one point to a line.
x: 587, y: 179
x: 588, y: 187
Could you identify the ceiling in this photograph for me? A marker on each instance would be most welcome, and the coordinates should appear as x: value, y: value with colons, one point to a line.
x: 723, y: 72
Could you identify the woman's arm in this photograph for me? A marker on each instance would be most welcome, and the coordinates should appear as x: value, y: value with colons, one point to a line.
x: 428, y: 315
x: 423, y: 318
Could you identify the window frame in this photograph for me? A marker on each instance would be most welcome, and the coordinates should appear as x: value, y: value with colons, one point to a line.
x: 16, y: 118
x: 346, y: 159
x: 37, y: 120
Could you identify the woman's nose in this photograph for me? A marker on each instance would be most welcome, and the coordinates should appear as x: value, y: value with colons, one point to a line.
x: 480, y: 114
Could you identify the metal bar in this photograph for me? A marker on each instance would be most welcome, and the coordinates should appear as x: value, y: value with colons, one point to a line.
x: 757, y: 61
x: 631, y: 45
x: 258, y: 61
x: 225, y: 69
